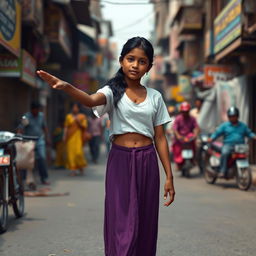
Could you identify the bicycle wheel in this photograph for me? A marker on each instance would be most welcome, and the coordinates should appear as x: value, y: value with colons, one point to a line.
x: 18, y: 202
x: 3, y: 202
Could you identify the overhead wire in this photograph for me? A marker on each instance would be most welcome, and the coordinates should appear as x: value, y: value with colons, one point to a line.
x: 134, y: 22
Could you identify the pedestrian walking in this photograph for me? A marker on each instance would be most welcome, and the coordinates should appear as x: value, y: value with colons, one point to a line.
x: 34, y: 124
x: 137, y: 116
x: 74, y: 127
x: 95, y: 129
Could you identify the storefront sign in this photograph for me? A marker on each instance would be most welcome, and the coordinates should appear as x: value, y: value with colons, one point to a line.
x: 214, y: 73
x: 28, y: 69
x: 228, y: 25
x: 23, y: 67
x: 10, y: 65
x: 10, y: 25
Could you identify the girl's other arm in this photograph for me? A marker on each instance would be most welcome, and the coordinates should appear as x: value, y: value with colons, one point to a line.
x: 84, y: 98
x: 163, y: 152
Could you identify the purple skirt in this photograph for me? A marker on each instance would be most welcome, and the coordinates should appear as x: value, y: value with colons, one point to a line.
x: 132, y: 201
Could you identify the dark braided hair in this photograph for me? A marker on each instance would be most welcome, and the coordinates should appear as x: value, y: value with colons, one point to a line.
x: 117, y: 84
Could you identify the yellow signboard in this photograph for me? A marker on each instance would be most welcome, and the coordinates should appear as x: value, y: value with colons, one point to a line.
x: 10, y: 25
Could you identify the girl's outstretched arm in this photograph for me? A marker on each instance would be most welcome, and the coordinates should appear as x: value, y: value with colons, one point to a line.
x: 163, y: 152
x: 84, y: 98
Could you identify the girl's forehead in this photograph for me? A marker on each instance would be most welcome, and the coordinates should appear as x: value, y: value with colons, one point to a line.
x: 137, y: 52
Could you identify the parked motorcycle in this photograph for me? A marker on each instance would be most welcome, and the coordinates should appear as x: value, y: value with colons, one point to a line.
x: 11, y: 183
x: 238, y: 164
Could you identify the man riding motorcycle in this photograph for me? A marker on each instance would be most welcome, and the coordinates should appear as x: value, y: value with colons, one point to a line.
x: 185, y: 128
x: 234, y: 132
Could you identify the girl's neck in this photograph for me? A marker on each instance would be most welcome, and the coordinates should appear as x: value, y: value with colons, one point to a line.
x: 132, y: 83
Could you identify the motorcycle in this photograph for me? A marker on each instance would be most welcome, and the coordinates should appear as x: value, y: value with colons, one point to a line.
x: 11, y: 183
x: 187, y: 155
x: 238, y: 164
x: 203, y: 141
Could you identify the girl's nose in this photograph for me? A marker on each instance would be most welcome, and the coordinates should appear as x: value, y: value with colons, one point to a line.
x: 135, y: 64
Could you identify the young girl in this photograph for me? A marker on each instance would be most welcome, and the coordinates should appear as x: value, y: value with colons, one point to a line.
x: 137, y: 115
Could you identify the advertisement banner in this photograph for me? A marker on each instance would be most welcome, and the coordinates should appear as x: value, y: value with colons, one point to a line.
x: 10, y: 25
x: 10, y: 65
x: 228, y: 25
x: 23, y: 67
x: 214, y: 73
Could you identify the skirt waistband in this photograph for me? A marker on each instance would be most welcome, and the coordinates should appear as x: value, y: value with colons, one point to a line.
x: 115, y: 146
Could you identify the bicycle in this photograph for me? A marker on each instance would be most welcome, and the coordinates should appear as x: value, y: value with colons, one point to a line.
x: 11, y: 182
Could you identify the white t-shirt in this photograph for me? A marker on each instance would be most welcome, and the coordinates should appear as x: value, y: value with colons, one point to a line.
x: 130, y: 117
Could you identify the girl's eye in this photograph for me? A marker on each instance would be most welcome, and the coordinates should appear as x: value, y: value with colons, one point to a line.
x: 143, y: 62
x: 130, y: 59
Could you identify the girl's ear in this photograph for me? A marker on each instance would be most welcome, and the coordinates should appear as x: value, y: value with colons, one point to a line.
x: 120, y: 60
x: 149, y: 67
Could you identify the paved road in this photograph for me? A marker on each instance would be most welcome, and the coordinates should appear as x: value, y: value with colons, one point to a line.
x: 205, y: 220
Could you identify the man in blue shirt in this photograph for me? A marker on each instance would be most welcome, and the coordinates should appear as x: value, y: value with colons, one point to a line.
x: 234, y: 132
x: 36, y: 126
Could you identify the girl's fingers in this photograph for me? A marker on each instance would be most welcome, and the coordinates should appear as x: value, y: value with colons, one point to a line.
x: 50, y: 79
x: 171, y: 194
x: 165, y: 194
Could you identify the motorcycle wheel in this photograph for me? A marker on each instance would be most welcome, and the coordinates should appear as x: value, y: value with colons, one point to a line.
x: 186, y: 168
x: 210, y: 175
x: 18, y: 204
x: 200, y: 160
x: 3, y: 203
x: 244, y: 182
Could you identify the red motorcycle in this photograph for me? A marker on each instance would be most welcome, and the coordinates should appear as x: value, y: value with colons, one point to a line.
x: 185, y: 158
x: 238, y: 164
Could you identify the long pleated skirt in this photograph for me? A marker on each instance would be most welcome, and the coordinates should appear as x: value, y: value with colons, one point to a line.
x: 131, y: 202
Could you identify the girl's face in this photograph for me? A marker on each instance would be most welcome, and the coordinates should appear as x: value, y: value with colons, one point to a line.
x: 135, y: 64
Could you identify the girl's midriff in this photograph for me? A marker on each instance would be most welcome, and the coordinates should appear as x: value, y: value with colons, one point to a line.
x: 131, y: 140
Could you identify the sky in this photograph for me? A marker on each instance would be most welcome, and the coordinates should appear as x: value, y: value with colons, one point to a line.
x: 129, y: 20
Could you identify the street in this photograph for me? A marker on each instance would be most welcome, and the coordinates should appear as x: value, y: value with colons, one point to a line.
x: 205, y: 220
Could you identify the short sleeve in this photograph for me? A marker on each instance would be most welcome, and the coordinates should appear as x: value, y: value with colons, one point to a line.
x: 162, y: 116
x: 103, y: 109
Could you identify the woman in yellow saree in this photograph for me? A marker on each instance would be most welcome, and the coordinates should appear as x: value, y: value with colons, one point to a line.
x: 74, y: 127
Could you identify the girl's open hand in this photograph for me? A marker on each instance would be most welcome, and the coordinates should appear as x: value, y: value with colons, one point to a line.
x: 169, y: 189
x: 53, y: 81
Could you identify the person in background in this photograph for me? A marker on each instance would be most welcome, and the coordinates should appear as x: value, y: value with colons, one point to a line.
x: 196, y: 110
x: 59, y: 145
x: 234, y: 132
x: 106, y: 130
x: 34, y: 124
x: 74, y: 126
x: 184, y: 126
x: 95, y: 129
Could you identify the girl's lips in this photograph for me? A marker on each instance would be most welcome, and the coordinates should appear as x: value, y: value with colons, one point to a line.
x: 133, y: 72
